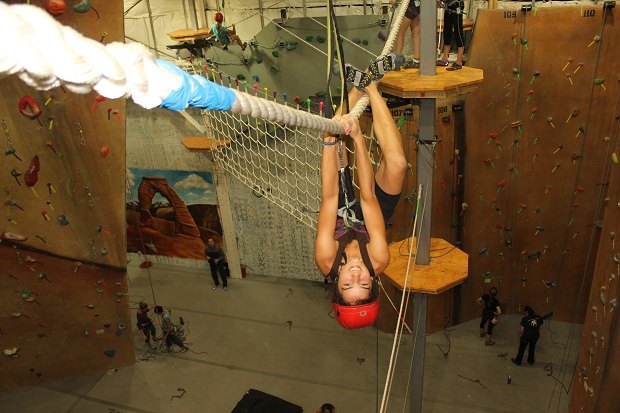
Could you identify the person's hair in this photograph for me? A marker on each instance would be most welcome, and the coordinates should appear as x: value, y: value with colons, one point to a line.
x: 143, y: 305
x: 327, y: 408
x: 159, y: 309
x: 529, y: 310
x: 374, y: 294
x: 493, y: 291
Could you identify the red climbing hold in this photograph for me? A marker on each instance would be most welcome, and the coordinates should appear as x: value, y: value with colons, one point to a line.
x: 55, y: 7
x: 32, y: 173
x: 29, y: 107
x: 105, y: 151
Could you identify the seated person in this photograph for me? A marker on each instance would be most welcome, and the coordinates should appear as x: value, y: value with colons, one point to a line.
x: 170, y: 333
x: 351, y: 247
x: 223, y: 35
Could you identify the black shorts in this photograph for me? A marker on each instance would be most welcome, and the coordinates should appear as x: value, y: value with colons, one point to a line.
x: 387, y: 202
x: 412, y: 11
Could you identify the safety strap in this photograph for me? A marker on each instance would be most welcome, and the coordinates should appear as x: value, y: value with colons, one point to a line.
x: 348, y: 215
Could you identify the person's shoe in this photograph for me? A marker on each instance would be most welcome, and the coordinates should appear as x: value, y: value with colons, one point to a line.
x: 225, y: 288
x: 184, y: 349
x: 489, y: 342
x: 530, y: 362
x: 245, y: 44
x: 482, y: 334
x: 455, y: 66
x: 213, y: 288
x: 356, y: 77
x: 515, y: 362
x: 441, y: 62
x: 379, y: 67
x: 225, y: 47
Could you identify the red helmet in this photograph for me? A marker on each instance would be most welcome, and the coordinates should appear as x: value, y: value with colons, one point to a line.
x: 356, y: 316
x: 219, y: 17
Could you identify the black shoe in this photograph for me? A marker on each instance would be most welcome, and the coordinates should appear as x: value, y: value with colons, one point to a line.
x: 225, y: 47
x: 515, y: 362
x: 379, y: 67
x: 530, y: 362
x: 245, y: 44
x: 356, y: 77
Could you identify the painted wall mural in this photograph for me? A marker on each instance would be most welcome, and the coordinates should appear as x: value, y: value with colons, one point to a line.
x: 171, y: 213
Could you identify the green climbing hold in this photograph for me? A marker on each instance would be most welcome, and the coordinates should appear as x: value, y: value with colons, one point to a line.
x: 240, y: 76
x: 110, y: 353
x: 256, y: 78
x: 291, y: 45
x: 309, y: 39
x: 320, y: 39
x: 365, y: 42
x: 338, y: 89
x: 275, y: 53
x: 401, y: 121
x: 82, y: 7
x: 26, y: 293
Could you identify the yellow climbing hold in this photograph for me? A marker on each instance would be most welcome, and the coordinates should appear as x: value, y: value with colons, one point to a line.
x: 614, y: 158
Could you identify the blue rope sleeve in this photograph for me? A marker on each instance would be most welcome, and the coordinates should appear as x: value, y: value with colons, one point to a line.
x: 196, y: 91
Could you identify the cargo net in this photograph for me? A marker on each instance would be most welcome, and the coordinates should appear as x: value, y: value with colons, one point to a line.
x: 276, y: 161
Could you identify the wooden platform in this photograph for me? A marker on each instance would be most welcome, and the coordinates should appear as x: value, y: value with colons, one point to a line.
x: 203, y: 143
x: 447, y: 269
x: 409, y: 84
x: 185, y: 35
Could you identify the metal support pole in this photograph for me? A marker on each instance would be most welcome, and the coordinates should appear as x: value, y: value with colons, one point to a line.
x: 428, y: 33
x: 148, y: 7
x: 424, y: 172
x: 419, y: 349
x: 192, y: 14
x: 261, y: 12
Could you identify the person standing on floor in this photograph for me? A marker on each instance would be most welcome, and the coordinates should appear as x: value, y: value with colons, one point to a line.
x: 490, y: 311
x: 411, y: 21
x: 144, y: 323
x: 530, y: 332
x: 216, y: 259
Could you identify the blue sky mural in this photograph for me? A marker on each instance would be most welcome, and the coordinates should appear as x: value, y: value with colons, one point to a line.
x: 193, y: 187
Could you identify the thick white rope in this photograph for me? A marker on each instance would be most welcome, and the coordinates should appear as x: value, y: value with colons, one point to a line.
x: 45, y: 54
x: 361, y: 104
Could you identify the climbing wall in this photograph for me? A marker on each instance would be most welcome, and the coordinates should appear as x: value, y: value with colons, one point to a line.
x: 597, y: 381
x: 538, y: 136
x: 62, y: 291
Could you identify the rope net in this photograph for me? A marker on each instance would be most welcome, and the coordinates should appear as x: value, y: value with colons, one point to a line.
x: 278, y: 162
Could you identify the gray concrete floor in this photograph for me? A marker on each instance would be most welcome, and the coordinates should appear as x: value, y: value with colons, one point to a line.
x: 275, y: 335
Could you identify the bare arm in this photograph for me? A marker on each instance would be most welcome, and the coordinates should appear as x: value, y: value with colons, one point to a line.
x: 325, y: 246
x: 498, y: 310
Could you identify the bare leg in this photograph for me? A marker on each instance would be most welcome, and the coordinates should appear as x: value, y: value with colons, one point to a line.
x: 400, y: 38
x: 391, y: 172
x: 459, y: 56
x: 446, y: 51
x: 415, y: 37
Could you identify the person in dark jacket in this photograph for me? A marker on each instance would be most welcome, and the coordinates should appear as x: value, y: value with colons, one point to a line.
x: 491, y: 310
x: 216, y: 259
x: 530, y: 332
x: 144, y: 323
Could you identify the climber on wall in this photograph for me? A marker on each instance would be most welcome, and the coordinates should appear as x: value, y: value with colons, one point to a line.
x: 224, y: 35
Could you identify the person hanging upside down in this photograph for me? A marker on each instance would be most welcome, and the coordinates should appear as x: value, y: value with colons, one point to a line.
x: 351, y: 247
x: 223, y: 34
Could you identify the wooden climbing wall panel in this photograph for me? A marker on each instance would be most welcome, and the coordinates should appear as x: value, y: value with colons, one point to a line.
x: 63, y: 304
x: 536, y: 146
